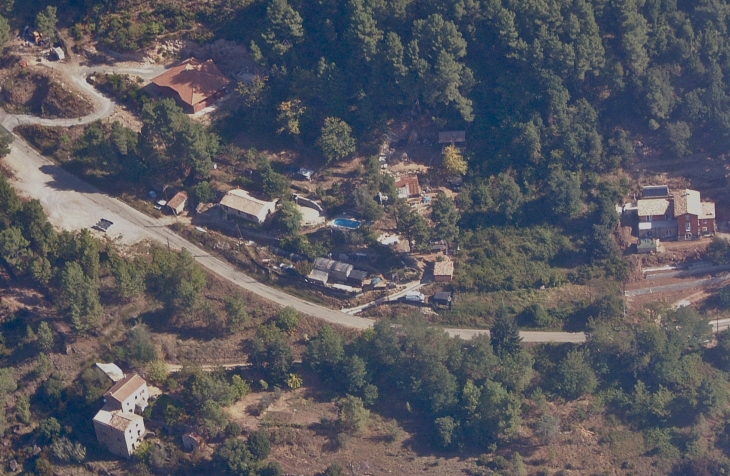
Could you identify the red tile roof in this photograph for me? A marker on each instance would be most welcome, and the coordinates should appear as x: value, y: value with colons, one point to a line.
x: 410, y: 181
x: 177, y: 200
x: 193, y: 81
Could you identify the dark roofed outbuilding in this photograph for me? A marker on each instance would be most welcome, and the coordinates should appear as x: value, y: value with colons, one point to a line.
x: 442, y: 297
x: 336, y: 269
x: 655, y: 191
x: 357, y: 277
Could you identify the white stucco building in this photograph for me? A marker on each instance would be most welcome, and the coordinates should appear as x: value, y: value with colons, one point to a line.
x: 239, y: 203
x: 118, y: 425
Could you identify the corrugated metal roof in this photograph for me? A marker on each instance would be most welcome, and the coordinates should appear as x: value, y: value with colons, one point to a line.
x: 317, y: 275
x: 325, y: 264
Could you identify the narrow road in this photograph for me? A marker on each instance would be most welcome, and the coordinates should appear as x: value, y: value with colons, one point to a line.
x: 677, y: 286
x: 73, y: 204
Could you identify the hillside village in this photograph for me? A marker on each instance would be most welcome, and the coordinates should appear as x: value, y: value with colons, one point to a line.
x: 317, y: 238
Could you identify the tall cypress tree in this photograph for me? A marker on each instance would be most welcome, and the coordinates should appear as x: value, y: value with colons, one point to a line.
x: 505, y: 334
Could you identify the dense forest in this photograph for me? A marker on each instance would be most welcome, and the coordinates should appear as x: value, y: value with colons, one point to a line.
x: 553, y: 96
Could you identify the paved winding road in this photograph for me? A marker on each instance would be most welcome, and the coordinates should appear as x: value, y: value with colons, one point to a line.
x: 73, y: 204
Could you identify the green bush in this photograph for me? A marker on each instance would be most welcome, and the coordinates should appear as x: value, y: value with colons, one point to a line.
x: 288, y: 319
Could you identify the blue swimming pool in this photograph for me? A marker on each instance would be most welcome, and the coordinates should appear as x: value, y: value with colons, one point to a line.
x: 347, y: 223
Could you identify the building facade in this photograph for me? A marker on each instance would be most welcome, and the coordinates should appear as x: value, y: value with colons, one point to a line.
x: 118, y: 425
x: 238, y: 203
x: 128, y: 395
x: 121, y: 432
x: 681, y: 216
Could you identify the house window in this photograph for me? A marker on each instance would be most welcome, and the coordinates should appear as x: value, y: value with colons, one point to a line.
x: 650, y: 218
x: 687, y: 227
x: 686, y: 217
x: 704, y: 229
x: 704, y: 221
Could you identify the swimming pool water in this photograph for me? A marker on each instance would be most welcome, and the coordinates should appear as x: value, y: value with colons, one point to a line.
x: 347, y: 223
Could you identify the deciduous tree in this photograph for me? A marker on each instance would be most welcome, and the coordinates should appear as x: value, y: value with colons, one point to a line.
x: 454, y: 163
x: 336, y: 141
x: 447, y: 217
x: 575, y: 375
x: 289, y: 218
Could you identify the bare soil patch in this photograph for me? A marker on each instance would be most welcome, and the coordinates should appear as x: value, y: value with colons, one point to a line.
x: 37, y: 91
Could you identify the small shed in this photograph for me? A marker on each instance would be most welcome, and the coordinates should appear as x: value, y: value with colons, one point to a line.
x: 647, y: 245
x: 452, y: 137
x: 111, y: 370
x: 317, y: 276
x: 439, y: 247
x: 58, y: 53
x: 443, y: 298
x: 178, y: 202
x: 357, y: 277
x: 655, y: 191
x: 192, y: 441
x: 408, y: 186
x: 443, y: 271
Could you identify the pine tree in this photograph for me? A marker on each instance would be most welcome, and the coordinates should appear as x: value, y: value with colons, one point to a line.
x: 505, y: 334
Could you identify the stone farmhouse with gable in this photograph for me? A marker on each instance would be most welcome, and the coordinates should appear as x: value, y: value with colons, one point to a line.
x: 118, y: 425
x: 680, y: 215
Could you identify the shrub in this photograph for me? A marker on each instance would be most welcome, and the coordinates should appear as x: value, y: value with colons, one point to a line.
x: 259, y: 444
x: 288, y: 319
x: 335, y: 469
x: 49, y: 429
x: 66, y: 450
x: 233, y: 429
x: 546, y: 428
x: 353, y: 415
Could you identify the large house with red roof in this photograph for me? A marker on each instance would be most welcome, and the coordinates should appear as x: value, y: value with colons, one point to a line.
x: 194, y: 85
